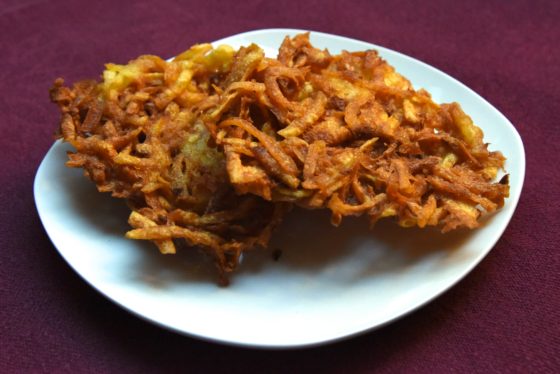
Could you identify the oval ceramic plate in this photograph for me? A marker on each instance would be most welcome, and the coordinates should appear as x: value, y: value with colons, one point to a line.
x: 327, y: 284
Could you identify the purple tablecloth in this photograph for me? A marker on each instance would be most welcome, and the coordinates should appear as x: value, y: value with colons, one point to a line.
x: 504, y: 316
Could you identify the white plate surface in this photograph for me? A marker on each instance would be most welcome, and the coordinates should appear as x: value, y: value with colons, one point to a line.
x: 328, y: 284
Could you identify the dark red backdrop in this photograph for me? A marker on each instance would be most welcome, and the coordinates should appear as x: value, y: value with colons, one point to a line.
x: 503, y: 317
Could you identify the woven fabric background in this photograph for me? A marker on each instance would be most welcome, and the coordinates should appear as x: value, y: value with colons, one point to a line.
x: 503, y: 317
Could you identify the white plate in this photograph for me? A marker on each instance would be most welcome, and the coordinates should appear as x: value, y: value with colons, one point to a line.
x: 328, y: 284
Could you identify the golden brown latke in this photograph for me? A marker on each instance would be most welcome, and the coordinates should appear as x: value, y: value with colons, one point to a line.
x: 214, y: 146
x: 137, y: 135
x: 348, y: 133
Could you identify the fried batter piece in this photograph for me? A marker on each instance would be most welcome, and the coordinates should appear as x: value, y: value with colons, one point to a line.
x: 215, y: 146
x: 137, y: 135
x: 348, y: 133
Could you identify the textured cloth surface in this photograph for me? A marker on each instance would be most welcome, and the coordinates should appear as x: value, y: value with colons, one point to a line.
x: 503, y: 317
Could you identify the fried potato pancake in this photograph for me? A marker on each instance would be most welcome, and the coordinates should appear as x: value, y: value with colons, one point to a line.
x: 137, y: 135
x: 348, y: 133
x: 213, y: 147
